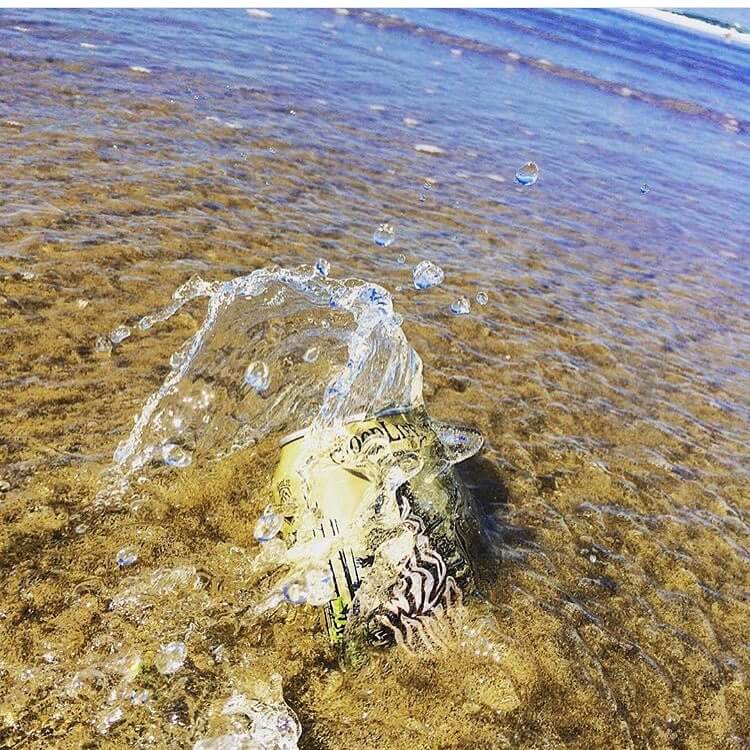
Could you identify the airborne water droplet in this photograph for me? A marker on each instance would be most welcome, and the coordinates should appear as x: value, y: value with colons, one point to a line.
x: 319, y: 586
x: 294, y: 591
x: 528, y: 174
x: 171, y: 657
x: 175, y: 456
x: 401, y: 259
x: 103, y: 345
x: 258, y: 376
x: 482, y: 298
x: 119, y: 334
x: 461, y: 306
x: 645, y: 188
x: 126, y: 556
x: 268, y: 525
x: 323, y: 267
x: 427, y: 275
x: 311, y: 355
x: 384, y: 235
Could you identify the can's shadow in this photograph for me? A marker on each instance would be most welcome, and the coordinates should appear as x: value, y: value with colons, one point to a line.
x: 489, y: 532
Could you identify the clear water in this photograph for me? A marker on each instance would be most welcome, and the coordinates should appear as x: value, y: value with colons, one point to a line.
x: 153, y: 150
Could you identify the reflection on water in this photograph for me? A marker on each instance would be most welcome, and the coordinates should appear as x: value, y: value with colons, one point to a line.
x: 606, y: 368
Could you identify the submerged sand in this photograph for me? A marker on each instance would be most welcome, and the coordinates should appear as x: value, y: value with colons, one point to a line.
x: 615, y: 466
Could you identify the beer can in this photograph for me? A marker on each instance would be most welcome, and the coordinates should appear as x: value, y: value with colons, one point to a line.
x: 381, y: 494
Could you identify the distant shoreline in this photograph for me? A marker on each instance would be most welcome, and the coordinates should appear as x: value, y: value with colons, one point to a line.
x: 724, y: 32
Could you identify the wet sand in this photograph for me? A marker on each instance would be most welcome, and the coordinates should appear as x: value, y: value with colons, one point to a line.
x: 613, y: 401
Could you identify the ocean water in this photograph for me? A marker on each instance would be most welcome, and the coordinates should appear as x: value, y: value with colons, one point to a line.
x: 607, y: 371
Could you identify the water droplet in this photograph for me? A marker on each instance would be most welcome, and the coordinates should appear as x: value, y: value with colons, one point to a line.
x: 258, y: 376
x: 174, y: 456
x: 311, y: 355
x: 119, y: 335
x: 323, y: 267
x: 384, y: 235
x: 126, y: 556
x: 108, y: 719
x: 401, y: 259
x: 528, y: 174
x: 171, y: 657
x: 427, y: 275
x: 645, y: 188
x: 268, y: 525
x: 461, y: 306
x: 319, y: 586
x: 294, y: 591
x: 103, y: 345
x: 482, y: 298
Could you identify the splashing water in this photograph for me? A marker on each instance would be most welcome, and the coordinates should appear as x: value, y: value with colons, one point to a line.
x: 323, y: 267
x: 364, y: 367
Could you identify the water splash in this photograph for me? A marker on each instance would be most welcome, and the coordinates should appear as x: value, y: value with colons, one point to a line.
x: 364, y: 365
x: 259, y: 330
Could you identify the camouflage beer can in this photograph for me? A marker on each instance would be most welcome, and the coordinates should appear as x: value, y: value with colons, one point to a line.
x: 368, y: 519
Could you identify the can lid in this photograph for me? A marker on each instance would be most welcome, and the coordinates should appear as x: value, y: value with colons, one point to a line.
x: 297, y: 434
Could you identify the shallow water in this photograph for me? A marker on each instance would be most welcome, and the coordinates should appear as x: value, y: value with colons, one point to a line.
x: 607, y: 371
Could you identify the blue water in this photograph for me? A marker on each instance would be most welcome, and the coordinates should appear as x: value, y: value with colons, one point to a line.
x: 603, y: 100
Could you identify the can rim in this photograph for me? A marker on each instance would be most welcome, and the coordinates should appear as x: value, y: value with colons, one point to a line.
x: 297, y: 434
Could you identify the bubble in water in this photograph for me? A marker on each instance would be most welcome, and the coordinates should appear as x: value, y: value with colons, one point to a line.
x: 384, y: 235
x: 268, y: 525
x: 528, y: 174
x: 427, y: 275
x: 401, y: 259
x: 461, y: 306
x: 126, y: 556
x: 645, y: 188
x: 174, y: 456
x: 482, y: 298
x: 323, y: 267
x: 294, y: 591
x: 258, y: 376
x: 171, y: 657
x: 119, y: 334
x: 311, y: 355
